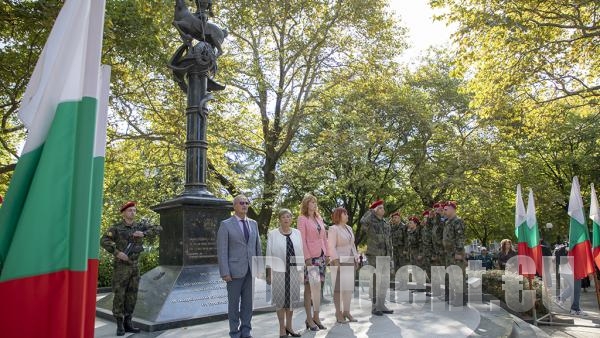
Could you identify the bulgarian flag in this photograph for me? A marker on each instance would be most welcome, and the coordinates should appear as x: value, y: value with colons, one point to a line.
x: 528, y: 236
x: 595, y: 216
x: 49, y: 222
x: 579, y: 241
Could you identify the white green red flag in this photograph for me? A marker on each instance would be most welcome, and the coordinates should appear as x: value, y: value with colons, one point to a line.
x: 528, y: 236
x: 50, y: 219
x: 579, y: 240
x: 520, y: 213
x: 595, y: 217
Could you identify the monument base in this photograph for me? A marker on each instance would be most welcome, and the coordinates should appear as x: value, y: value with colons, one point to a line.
x: 190, y: 225
x: 177, y: 296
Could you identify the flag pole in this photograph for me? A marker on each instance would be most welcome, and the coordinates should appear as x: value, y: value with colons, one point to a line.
x: 594, y: 276
x: 575, y: 212
x: 534, y: 311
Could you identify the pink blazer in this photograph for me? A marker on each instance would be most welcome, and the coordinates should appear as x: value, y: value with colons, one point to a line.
x: 313, y: 241
x: 341, y: 244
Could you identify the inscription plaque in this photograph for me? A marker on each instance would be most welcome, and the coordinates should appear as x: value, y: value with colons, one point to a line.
x: 175, y: 296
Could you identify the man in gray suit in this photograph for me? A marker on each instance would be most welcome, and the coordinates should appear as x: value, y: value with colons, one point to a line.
x: 238, y: 241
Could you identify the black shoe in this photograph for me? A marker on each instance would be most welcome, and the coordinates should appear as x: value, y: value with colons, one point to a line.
x: 377, y: 312
x: 312, y: 328
x: 292, y: 333
x: 319, y: 325
x: 120, y: 328
x: 386, y: 310
x: 128, y: 325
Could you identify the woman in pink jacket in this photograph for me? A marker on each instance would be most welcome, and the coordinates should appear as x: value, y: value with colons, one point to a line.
x: 314, y: 244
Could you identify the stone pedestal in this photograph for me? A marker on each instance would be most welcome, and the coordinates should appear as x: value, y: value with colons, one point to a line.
x: 190, y: 225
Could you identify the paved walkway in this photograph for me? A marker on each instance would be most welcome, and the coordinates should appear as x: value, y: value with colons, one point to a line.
x: 418, y: 319
x: 583, y: 326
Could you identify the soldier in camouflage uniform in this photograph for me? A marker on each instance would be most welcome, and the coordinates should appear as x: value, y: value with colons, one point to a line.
x: 398, y: 241
x: 426, y: 243
x: 379, y: 243
x: 454, y: 249
x: 437, y: 228
x: 413, y: 241
x: 125, y: 242
x: 437, y: 254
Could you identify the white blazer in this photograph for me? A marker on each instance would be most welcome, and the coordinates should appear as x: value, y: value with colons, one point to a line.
x: 277, y: 248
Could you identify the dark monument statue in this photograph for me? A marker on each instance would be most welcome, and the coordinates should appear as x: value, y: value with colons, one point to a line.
x: 186, y: 288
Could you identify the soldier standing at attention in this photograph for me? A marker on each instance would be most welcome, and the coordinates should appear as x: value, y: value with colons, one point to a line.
x: 437, y: 228
x: 398, y: 240
x: 454, y: 248
x: 426, y: 243
x: 437, y: 254
x: 379, y: 243
x: 125, y: 242
x: 413, y: 241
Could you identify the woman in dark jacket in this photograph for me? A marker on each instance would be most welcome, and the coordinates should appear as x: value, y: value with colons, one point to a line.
x: 506, y: 252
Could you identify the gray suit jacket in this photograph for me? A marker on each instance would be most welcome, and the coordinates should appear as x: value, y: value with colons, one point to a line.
x: 234, y: 254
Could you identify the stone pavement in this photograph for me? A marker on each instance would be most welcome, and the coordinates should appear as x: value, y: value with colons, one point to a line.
x: 583, y: 326
x: 418, y: 319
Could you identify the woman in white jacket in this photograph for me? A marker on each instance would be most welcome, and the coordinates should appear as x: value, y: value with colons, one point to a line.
x: 284, y: 271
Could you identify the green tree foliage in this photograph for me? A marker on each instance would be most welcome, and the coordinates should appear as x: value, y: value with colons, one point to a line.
x: 24, y: 28
x: 316, y: 102
x: 282, y: 55
x: 532, y: 50
x: 534, y: 73
x: 354, y: 147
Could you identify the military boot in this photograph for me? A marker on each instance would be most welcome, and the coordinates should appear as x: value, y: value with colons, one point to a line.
x: 129, y: 325
x: 374, y: 309
x: 120, y: 328
x: 382, y: 308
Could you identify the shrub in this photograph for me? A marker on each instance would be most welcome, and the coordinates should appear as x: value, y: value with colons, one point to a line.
x: 492, y: 284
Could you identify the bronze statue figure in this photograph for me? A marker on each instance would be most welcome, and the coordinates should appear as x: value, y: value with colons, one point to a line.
x: 200, y: 57
x: 196, y: 26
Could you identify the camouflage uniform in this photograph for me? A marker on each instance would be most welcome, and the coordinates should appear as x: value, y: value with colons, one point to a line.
x: 399, y: 244
x: 454, y: 244
x: 426, y: 245
x: 437, y: 252
x: 379, y: 243
x: 413, y: 241
x: 414, y: 249
x: 126, y: 274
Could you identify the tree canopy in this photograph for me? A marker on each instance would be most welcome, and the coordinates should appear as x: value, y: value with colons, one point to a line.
x: 317, y: 101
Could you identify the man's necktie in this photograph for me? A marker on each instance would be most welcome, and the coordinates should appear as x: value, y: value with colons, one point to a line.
x: 246, y: 231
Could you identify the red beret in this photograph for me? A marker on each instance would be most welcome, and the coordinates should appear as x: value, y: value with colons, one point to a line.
x: 425, y: 213
x: 414, y: 219
x: 438, y: 205
x: 1, y: 200
x: 376, y: 204
x: 127, y: 205
x: 395, y: 213
x: 451, y: 204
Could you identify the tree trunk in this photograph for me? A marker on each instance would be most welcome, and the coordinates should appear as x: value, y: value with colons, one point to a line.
x: 268, y: 195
